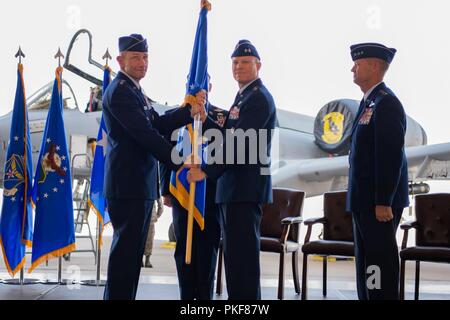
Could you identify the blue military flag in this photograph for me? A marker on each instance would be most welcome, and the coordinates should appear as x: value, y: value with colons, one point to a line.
x: 54, y: 233
x: 97, y: 200
x: 197, y: 80
x: 16, y: 217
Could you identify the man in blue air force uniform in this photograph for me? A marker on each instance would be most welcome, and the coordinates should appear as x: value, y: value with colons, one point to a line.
x: 242, y: 187
x: 196, y: 280
x: 378, y: 177
x: 131, y: 175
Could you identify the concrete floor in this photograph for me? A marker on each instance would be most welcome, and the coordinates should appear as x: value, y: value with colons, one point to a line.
x: 160, y: 282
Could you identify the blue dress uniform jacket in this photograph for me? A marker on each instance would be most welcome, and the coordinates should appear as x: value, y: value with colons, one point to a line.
x: 253, y: 109
x: 131, y: 177
x: 135, y: 142
x: 378, y: 176
x: 378, y: 170
x: 242, y: 188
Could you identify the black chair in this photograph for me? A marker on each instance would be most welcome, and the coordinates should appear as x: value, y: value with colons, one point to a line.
x: 280, y: 233
x: 337, y: 236
x: 432, y: 227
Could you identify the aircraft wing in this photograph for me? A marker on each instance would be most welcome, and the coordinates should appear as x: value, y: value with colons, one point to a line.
x: 431, y: 162
x: 316, y: 176
x: 318, y: 169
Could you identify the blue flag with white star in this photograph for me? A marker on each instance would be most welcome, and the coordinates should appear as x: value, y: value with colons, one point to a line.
x: 16, y: 217
x: 97, y: 200
x: 54, y: 233
x: 197, y: 80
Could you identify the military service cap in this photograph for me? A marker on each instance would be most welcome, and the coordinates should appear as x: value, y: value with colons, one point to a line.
x: 245, y: 48
x: 372, y: 50
x: 133, y: 42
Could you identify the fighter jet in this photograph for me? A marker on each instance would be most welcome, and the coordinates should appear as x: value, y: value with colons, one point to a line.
x: 314, y: 155
x: 309, y: 154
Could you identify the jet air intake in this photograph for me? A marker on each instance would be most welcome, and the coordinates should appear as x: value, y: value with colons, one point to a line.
x: 333, y: 126
x: 334, y: 122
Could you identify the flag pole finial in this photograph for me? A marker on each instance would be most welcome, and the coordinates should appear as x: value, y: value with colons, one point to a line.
x: 107, y: 56
x: 20, y: 54
x: 58, y: 56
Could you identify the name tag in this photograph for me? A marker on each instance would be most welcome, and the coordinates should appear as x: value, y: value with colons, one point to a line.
x: 366, y: 116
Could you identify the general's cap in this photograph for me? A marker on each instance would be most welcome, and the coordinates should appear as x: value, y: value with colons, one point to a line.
x: 133, y: 42
x: 372, y: 50
x: 245, y: 48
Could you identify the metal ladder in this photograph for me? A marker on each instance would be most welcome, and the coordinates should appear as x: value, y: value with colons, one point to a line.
x: 81, y: 210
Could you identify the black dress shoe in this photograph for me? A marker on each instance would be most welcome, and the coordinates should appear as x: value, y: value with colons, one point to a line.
x: 147, y: 262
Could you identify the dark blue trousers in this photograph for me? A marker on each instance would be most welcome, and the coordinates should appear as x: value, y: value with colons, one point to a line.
x: 130, y: 220
x: 376, y: 249
x: 196, y: 280
x: 240, y: 224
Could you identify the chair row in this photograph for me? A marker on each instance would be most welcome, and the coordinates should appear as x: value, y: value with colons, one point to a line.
x: 280, y: 233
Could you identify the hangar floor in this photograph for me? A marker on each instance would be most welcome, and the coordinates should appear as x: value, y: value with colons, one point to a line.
x: 160, y: 282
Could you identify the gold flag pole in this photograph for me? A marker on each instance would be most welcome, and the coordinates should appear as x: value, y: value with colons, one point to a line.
x: 190, y: 221
x: 197, y: 128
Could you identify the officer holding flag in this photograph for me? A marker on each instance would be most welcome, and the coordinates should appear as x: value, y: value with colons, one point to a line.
x: 134, y: 146
x: 242, y: 187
